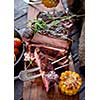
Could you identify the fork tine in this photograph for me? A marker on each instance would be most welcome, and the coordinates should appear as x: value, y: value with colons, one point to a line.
x: 61, y: 66
x: 58, y: 60
x: 23, y: 74
x: 39, y: 75
x: 38, y: 68
x: 33, y: 70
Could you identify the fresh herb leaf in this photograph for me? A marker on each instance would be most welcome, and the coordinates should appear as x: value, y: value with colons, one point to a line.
x: 38, y: 25
x: 30, y: 62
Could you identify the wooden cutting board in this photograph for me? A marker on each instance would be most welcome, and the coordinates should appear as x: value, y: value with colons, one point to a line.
x: 34, y: 90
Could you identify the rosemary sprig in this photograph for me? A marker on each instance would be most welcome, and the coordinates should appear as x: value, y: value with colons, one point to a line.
x: 67, y: 17
x: 39, y: 24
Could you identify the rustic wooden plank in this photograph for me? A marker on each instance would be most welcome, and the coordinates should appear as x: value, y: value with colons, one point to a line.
x: 20, y: 8
x: 18, y: 91
x: 20, y: 14
x: 34, y: 90
x: 21, y: 23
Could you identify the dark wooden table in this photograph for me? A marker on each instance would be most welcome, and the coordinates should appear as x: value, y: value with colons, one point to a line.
x: 20, y: 19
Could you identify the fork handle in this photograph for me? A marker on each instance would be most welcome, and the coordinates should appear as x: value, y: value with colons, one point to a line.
x: 33, y: 77
x: 38, y: 75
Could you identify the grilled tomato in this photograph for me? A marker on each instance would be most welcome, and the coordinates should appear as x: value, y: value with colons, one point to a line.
x: 17, y: 42
x: 70, y: 82
x: 50, y: 3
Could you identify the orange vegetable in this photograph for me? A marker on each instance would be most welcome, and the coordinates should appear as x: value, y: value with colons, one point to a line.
x: 50, y: 3
x: 17, y: 42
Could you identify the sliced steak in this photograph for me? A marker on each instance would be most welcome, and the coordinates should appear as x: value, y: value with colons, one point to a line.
x: 49, y: 77
x: 54, y: 42
x: 51, y: 51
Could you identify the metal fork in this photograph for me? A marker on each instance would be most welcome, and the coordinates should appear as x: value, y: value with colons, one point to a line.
x: 23, y: 75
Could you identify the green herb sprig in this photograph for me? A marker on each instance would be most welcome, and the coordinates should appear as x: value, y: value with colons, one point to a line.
x: 37, y: 25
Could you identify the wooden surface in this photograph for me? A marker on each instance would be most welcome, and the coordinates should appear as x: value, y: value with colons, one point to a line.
x: 20, y: 14
x: 20, y: 18
x: 34, y: 90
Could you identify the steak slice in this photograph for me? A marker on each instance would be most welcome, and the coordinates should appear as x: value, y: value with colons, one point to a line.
x: 54, y: 42
x: 51, y: 51
x: 49, y: 77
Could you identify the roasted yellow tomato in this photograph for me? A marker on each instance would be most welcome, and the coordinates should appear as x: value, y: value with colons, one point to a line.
x: 70, y: 82
x: 50, y: 3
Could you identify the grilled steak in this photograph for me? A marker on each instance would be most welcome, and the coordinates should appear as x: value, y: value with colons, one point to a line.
x: 45, y: 40
x: 48, y: 45
x: 52, y: 51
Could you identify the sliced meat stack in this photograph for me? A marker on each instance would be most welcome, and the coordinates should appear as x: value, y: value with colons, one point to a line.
x: 43, y: 56
x: 46, y: 47
x: 49, y: 76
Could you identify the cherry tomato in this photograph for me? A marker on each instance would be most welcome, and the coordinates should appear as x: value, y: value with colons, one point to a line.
x: 17, y: 42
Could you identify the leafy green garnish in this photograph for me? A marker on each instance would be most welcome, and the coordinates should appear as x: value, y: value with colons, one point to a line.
x: 38, y: 25
x: 30, y: 62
